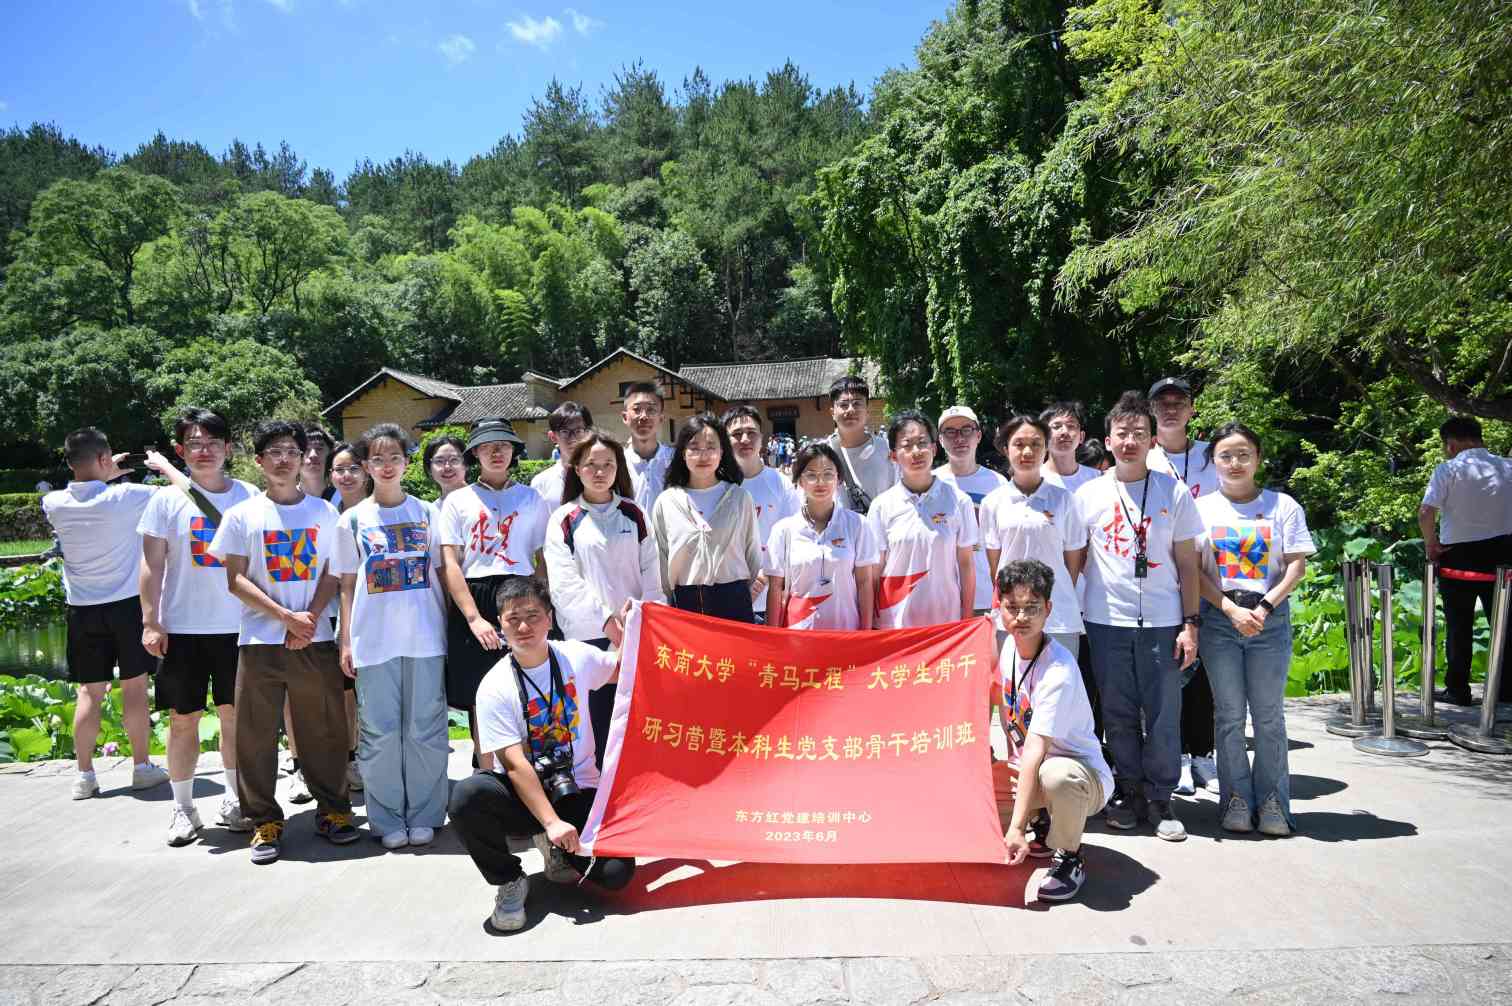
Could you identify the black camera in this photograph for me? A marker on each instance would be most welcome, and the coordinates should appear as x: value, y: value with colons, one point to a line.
x: 554, y: 767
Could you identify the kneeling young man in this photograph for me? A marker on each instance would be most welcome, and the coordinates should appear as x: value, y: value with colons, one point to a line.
x: 1055, y: 762
x: 528, y: 715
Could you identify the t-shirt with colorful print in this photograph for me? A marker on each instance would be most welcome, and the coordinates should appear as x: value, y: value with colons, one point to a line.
x: 1243, y: 545
x: 395, y: 554
x: 502, y: 722
x: 287, y: 549
x: 195, y: 600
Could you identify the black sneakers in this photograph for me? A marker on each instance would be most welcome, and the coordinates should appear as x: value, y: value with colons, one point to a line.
x: 1039, y: 832
x: 1124, y: 811
x: 1065, y: 879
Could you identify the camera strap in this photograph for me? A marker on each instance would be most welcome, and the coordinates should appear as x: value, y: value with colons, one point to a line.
x: 549, y: 698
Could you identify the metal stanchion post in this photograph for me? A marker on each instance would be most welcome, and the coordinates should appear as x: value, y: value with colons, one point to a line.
x: 1388, y: 743
x: 1424, y: 726
x: 1488, y: 738
x: 1353, y: 719
x: 1367, y: 628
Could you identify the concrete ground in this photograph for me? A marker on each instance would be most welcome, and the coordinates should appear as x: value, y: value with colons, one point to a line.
x: 1397, y: 884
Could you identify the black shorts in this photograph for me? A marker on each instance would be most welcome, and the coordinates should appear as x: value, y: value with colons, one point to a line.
x: 194, y: 668
x: 102, y: 636
x: 466, y: 661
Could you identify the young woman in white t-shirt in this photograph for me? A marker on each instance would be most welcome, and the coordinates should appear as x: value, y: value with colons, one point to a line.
x: 393, y: 643
x: 926, y: 530
x: 1034, y: 518
x: 445, y: 463
x: 1254, y: 548
x: 599, y: 556
x: 350, y: 478
x: 822, y: 561
x: 705, y: 526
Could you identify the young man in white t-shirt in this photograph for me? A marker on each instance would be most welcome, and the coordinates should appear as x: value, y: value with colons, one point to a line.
x: 277, y: 551
x: 95, y: 519
x: 1142, y: 619
x: 960, y: 434
x: 189, y: 621
x: 1067, y: 423
x: 646, y: 455
x: 865, y: 462
x: 1055, y: 761
x: 568, y: 424
x: 1187, y: 459
x: 775, y: 497
x: 530, y: 709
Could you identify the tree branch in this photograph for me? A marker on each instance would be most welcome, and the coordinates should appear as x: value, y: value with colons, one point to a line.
x: 1457, y: 399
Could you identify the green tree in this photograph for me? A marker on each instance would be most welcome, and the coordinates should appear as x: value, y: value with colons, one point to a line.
x: 30, y: 161
x: 674, y: 296
x: 104, y: 221
x: 243, y: 380
x: 559, y: 138
x: 275, y: 244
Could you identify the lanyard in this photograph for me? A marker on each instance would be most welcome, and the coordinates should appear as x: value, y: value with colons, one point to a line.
x: 549, y: 698
x: 1138, y: 528
x: 1015, y: 678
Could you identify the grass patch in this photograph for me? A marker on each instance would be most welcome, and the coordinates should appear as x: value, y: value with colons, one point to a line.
x: 29, y: 547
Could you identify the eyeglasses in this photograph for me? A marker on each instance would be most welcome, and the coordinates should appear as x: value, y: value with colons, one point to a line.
x: 571, y: 432
x: 347, y: 471
x: 909, y: 446
x: 446, y: 462
x: 281, y: 453
x: 705, y: 451
x: 203, y: 445
x: 1235, y: 458
x: 745, y: 434
x: 849, y: 404
x: 1029, y: 611
x: 815, y: 478
x: 961, y: 432
x: 644, y: 411
x: 391, y: 460
x: 607, y: 468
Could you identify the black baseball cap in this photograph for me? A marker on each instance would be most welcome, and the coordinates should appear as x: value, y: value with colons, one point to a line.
x: 1166, y: 383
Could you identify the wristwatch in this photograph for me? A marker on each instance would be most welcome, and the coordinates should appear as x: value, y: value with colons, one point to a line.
x: 1265, y: 603
x: 1192, y: 620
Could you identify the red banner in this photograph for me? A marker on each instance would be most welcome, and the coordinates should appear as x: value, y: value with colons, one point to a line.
x: 742, y: 742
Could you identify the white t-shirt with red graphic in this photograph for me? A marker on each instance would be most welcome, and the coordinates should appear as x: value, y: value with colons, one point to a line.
x: 919, y: 535
x: 498, y: 530
x: 1043, y: 526
x: 195, y: 600
x: 775, y: 498
x: 1191, y: 467
x: 819, y: 568
x: 977, y: 486
x: 1111, y: 511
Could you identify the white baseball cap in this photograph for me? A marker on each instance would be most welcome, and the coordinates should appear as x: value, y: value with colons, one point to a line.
x: 958, y: 412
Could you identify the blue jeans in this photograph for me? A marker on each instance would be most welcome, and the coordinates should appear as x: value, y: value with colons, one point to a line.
x: 1139, y: 682
x: 1249, y: 672
x: 402, y: 747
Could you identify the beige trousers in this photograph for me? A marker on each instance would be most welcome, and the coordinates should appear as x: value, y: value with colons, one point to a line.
x: 1068, y: 787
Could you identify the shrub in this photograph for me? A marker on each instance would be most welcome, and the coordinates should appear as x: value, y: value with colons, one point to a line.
x: 21, y: 517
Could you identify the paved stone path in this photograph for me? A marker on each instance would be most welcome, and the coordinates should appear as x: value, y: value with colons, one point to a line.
x: 1433, y: 974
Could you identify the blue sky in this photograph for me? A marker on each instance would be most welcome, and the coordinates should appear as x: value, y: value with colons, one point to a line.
x: 342, y: 79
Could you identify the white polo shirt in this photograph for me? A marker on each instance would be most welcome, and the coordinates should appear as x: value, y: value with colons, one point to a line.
x: 977, y: 486
x: 918, y: 535
x: 819, y: 568
x: 1192, y: 467
x: 648, y: 476
x: 1473, y: 494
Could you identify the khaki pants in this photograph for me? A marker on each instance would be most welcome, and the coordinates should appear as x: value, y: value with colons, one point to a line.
x: 1067, y: 787
x: 312, y: 679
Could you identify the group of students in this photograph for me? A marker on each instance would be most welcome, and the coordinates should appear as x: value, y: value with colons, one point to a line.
x: 509, y: 601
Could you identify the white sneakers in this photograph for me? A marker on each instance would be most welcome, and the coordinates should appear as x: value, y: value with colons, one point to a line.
x: 396, y: 839
x: 298, y: 791
x: 85, y: 786
x: 1184, y: 785
x: 421, y: 836
x: 558, y: 871
x: 509, y: 905
x: 184, y: 827
x: 148, y: 775
x: 231, y: 816
x: 354, y: 776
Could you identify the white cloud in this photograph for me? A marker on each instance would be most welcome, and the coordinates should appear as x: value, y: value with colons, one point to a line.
x: 537, y: 33
x: 457, y: 49
x: 283, y: 5
x: 194, y: 10
x: 4, y: 106
x: 582, y: 23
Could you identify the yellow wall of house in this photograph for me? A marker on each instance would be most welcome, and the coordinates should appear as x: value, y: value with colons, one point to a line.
x: 600, y: 394
x: 389, y: 401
